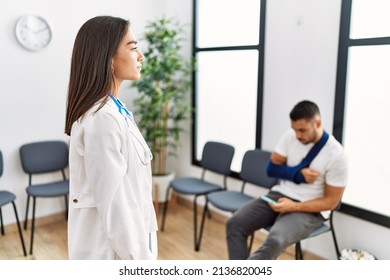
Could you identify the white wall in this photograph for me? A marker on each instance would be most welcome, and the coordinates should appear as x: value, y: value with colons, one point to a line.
x: 300, y: 61
x: 34, y: 86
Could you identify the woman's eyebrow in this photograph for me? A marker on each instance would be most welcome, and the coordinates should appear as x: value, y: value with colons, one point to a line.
x: 132, y: 42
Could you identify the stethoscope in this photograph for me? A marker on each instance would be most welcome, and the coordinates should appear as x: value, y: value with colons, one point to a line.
x: 127, y: 115
x: 123, y: 110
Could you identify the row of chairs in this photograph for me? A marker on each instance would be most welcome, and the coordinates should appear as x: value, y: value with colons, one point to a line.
x: 38, y: 158
x: 217, y: 158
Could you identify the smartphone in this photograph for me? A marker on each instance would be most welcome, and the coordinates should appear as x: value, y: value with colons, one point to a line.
x: 269, y: 200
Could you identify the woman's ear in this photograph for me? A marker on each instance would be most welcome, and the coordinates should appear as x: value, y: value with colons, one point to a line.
x: 112, y: 66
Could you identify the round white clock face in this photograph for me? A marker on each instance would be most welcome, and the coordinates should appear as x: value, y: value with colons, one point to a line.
x: 33, y: 32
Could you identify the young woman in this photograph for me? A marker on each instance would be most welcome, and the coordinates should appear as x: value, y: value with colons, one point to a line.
x: 111, y: 214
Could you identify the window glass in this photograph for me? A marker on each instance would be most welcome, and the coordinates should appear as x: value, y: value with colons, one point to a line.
x: 370, y: 18
x: 367, y: 129
x: 226, y: 100
x: 228, y: 23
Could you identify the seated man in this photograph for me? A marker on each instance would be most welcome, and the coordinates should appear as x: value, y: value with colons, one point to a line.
x: 312, y: 167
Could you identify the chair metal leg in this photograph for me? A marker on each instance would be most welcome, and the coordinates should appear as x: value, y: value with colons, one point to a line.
x: 1, y: 222
x: 195, y: 209
x: 32, y: 226
x: 336, y: 246
x: 19, y: 229
x: 298, y: 251
x: 198, y: 237
x: 165, y: 208
x: 66, y: 206
x: 251, y: 242
x: 27, y: 206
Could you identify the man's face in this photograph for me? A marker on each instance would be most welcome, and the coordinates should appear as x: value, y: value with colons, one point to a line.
x: 306, y: 130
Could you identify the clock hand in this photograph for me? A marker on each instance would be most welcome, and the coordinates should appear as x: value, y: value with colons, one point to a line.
x: 40, y: 30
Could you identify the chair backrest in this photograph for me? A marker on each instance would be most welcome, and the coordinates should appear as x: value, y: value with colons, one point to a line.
x: 217, y: 157
x: 1, y: 163
x: 44, y: 156
x: 254, y: 166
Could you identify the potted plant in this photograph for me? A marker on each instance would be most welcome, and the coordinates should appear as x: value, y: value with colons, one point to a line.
x: 164, y: 88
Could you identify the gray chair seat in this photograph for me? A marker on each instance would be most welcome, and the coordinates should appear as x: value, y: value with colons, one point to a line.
x: 49, y: 190
x: 6, y: 197
x: 193, y: 186
x: 229, y: 201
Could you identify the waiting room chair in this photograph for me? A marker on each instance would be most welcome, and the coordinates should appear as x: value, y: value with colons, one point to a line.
x: 44, y: 157
x: 217, y: 158
x: 253, y: 170
x: 5, y: 198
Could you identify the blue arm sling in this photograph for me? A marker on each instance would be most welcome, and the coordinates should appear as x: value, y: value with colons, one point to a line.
x: 293, y: 173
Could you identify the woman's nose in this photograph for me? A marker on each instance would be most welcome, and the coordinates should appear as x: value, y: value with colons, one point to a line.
x: 140, y: 56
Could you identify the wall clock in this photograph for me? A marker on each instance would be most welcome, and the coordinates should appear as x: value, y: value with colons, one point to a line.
x: 33, y: 32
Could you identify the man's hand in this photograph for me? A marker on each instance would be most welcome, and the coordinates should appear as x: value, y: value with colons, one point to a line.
x: 329, y: 201
x: 284, y: 205
x: 310, y: 175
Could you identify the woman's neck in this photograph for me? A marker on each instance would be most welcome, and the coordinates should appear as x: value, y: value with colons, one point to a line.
x: 115, y: 88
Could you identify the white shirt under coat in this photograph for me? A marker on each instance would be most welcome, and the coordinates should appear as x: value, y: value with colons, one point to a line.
x: 331, y: 162
x: 111, y: 212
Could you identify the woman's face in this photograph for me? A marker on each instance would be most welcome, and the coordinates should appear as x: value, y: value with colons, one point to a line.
x: 126, y: 62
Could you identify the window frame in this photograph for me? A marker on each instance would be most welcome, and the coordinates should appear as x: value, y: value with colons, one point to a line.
x: 345, y: 42
x: 259, y: 47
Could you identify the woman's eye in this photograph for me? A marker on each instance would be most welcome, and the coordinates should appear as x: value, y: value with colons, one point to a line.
x: 134, y: 49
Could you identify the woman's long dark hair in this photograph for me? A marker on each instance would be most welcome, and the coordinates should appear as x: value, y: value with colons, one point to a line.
x: 91, y: 77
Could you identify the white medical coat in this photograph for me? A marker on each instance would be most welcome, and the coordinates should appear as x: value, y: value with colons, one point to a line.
x: 111, y: 212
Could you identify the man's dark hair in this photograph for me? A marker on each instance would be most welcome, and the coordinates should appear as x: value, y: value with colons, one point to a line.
x: 304, y: 110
